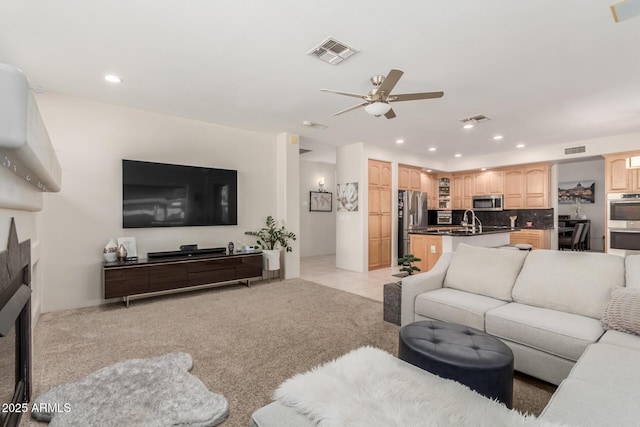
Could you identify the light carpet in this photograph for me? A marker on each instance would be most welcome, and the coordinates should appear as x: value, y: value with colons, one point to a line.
x: 244, y: 341
x: 156, y: 392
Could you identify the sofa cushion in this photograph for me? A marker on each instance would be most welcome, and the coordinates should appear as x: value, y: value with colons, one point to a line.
x: 632, y: 271
x: 573, y: 282
x: 622, y: 313
x: 610, y: 366
x: 581, y: 403
x: 452, y: 305
x: 621, y: 339
x: 562, y: 334
x: 484, y: 271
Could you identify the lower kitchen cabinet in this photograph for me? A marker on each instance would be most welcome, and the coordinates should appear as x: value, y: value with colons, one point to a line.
x: 539, y: 239
x: 426, y: 247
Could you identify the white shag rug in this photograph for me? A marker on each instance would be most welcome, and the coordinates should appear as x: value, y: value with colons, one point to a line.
x: 153, y: 392
x: 370, y: 387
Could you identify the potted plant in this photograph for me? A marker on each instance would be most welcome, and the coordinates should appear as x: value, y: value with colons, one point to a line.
x: 272, y: 239
x: 406, y: 261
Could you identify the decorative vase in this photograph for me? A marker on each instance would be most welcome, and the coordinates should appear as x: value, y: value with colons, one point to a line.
x: 271, y: 259
x: 110, y: 250
x: 122, y: 253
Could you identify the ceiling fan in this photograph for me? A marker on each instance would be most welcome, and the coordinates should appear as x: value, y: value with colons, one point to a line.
x: 377, y: 101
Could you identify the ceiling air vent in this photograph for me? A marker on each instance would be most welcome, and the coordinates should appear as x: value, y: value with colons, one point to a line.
x: 303, y: 151
x: 332, y: 51
x: 569, y: 151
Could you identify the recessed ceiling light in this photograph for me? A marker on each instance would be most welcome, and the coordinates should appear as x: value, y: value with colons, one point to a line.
x: 483, y: 169
x: 432, y: 149
x: 457, y: 155
x: 498, y: 137
x: 468, y: 125
x: 520, y: 146
x: 112, y: 78
x: 399, y: 141
x: 429, y: 170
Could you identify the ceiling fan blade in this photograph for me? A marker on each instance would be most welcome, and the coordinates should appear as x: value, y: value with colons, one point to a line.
x: 415, y: 96
x: 390, y: 114
x: 390, y: 82
x: 355, y: 107
x: 355, y: 95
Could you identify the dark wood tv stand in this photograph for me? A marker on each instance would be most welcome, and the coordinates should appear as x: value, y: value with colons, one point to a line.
x: 150, y: 277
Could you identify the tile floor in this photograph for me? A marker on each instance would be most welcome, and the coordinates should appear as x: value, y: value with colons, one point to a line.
x: 323, y: 270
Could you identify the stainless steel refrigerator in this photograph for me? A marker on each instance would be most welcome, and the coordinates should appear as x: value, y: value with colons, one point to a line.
x: 412, y: 214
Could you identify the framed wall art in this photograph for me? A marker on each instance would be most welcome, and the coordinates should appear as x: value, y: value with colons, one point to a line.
x: 320, y: 201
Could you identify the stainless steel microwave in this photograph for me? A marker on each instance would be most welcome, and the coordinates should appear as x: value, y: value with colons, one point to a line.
x: 489, y: 202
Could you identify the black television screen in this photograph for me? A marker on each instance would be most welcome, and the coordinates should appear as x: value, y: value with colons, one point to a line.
x: 165, y: 195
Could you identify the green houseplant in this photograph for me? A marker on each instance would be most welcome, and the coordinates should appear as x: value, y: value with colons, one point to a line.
x: 272, y: 239
x: 406, y: 261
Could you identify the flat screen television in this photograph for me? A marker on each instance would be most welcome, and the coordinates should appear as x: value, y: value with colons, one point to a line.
x: 166, y: 195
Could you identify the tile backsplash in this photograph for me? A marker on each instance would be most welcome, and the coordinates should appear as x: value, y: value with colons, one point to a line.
x: 541, y: 218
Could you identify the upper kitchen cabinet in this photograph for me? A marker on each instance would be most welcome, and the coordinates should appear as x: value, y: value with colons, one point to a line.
x: 489, y: 182
x: 536, y: 186
x: 429, y: 185
x: 379, y: 173
x: 409, y: 178
x: 527, y: 187
x: 619, y: 179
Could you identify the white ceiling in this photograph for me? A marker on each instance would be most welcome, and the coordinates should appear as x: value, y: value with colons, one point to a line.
x: 545, y: 72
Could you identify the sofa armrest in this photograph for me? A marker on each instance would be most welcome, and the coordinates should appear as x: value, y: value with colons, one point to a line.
x: 414, y: 285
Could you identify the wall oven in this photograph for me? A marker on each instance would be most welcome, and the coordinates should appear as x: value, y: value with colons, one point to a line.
x: 490, y: 202
x: 623, y: 221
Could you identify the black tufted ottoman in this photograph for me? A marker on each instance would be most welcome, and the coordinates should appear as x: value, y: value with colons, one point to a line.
x: 466, y: 355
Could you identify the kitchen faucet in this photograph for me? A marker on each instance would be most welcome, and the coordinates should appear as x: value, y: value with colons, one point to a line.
x: 474, y: 218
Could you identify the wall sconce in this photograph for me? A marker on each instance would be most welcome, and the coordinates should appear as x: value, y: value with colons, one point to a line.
x: 321, y: 185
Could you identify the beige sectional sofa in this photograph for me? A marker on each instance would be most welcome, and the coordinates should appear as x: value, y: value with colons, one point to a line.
x: 547, y: 307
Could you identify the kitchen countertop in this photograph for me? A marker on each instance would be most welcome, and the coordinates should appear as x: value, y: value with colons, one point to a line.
x: 461, y: 231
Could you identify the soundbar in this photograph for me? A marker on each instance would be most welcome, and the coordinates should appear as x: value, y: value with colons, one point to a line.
x: 186, y: 253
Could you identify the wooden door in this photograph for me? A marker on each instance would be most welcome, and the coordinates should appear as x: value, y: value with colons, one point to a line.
x: 618, y: 179
x: 480, y: 184
x: 418, y: 248
x: 379, y: 228
x: 457, y: 187
x: 404, y: 178
x: 495, y: 182
x: 414, y: 176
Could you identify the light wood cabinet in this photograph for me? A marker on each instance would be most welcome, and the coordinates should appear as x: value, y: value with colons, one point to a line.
x: 456, y: 192
x: 539, y: 239
x: 513, y: 189
x: 489, y: 182
x: 619, y: 179
x: 527, y: 187
x: 426, y: 247
x: 379, y: 229
x: 536, y: 186
x: 467, y: 191
x: 409, y: 178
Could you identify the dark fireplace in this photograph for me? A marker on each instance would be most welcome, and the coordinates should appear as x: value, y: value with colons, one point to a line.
x: 15, y: 330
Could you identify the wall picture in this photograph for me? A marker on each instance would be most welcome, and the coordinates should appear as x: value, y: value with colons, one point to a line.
x: 570, y: 192
x: 320, y: 201
x: 347, y: 197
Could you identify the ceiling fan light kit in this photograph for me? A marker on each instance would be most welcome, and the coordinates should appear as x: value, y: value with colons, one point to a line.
x: 377, y: 108
x: 377, y: 101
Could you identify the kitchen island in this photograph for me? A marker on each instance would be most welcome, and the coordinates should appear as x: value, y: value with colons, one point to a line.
x: 428, y: 244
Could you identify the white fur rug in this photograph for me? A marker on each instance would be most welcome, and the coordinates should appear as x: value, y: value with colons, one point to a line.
x: 369, y: 387
x: 153, y: 392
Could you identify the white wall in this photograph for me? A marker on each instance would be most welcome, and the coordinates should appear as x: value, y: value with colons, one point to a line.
x: 351, y: 227
x: 587, y: 170
x: 91, y: 139
x: 317, y: 229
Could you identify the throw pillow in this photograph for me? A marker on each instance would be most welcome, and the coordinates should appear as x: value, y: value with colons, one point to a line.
x: 622, y: 313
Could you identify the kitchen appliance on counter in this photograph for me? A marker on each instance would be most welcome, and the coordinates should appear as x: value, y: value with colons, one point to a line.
x: 489, y: 202
x: 412, y: 215
x: 444, y: 218
x: 623, y: 222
